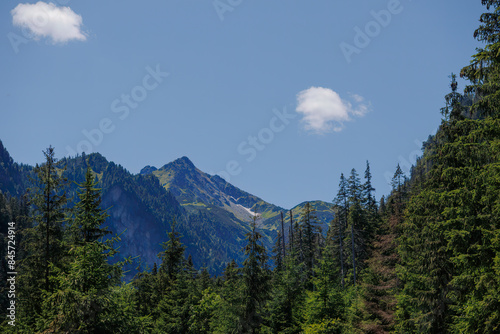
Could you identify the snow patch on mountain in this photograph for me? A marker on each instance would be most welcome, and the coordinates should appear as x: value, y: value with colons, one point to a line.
x: 248, y: 210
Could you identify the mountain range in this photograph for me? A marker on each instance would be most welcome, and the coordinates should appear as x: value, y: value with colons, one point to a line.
x: 211, y: 214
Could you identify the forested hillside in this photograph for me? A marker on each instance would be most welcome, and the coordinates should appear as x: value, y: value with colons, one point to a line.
x: 140, y: 211
x: 423, y: 259
x: 213, y: 215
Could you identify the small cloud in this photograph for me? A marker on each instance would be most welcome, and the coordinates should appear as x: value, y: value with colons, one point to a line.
x: 325, y: 111
x: 42, y: 19
x: 357, y: 98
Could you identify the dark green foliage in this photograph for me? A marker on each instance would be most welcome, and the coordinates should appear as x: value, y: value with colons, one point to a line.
x: 484, y: 70
x: 173, y: 255
x: 131, y: 201
x: 311, y: 237
x: 13, y: 180
x: 11, y: 210
x: 204, y: 312
x: 449, y: 238
x: 340, y: 223
x: 174, y: 309
x: 354, y: 223
x: 43, y: 241
x: 448, y: 241
x: 86, y: 227
x: 288, y: 297
x: 173, y: 281
x: 379, y: 281
x: 83, y: 300
x: 456, y: 107
x: 278, y: 252
x: 255, y: 276
x: 326, y: 302
x: 427, y: 260
x: 368, y: 197
x: 230, y: 310
x: 146, y: 297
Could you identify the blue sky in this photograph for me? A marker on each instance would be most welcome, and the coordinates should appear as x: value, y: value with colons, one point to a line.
x: 278, y: 97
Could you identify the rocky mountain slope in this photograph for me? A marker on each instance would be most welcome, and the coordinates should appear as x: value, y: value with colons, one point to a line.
x: 212, y: 215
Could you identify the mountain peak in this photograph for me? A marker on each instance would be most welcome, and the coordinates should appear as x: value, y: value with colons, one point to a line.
x: 183, y: 162
x: 148, y: 170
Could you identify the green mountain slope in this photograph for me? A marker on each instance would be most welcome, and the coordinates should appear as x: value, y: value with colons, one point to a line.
x: 142, y: 210
x: 196, y: 191
x: 199, y: 192
x: 324, y: 214
x: 13, y: 180
x: 213, y: 215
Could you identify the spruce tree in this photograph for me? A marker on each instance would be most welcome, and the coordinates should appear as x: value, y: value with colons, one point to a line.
x: 340, y: 220
x: 144, y: 284
x: 48, y: 202
x: 454, y: 109
x: 357, y: 226
x: 83, y: 303
x: 172, y: 255
x: 175, y: 308
x: 297, y: 246
x: 325, y: 307
x: 287, y: 298
x: 371, y: 214
x: 87, y: 226
x: 43, y: 241
x: 397, y: 183
x: 228, y: 316
x: 255, y: 281
x: 177, y: 287
x: 278, y: 253
x: 380, y: 283
x: 369, y: 201
x: 283, y: 235
x: 13, y: 213
x: 484, y: 69
x: 449, y: 242
x: 311, y: 237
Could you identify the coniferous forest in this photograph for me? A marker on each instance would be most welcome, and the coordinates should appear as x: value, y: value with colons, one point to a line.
x: 423, y: 259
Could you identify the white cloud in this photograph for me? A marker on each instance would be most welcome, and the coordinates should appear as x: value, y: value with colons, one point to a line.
x: 42, y: 19
x: 325, y: 111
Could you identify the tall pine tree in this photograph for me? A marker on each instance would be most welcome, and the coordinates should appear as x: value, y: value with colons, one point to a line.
x: 43, y: 242
x: 83, y: 301
x: 255, y: 281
